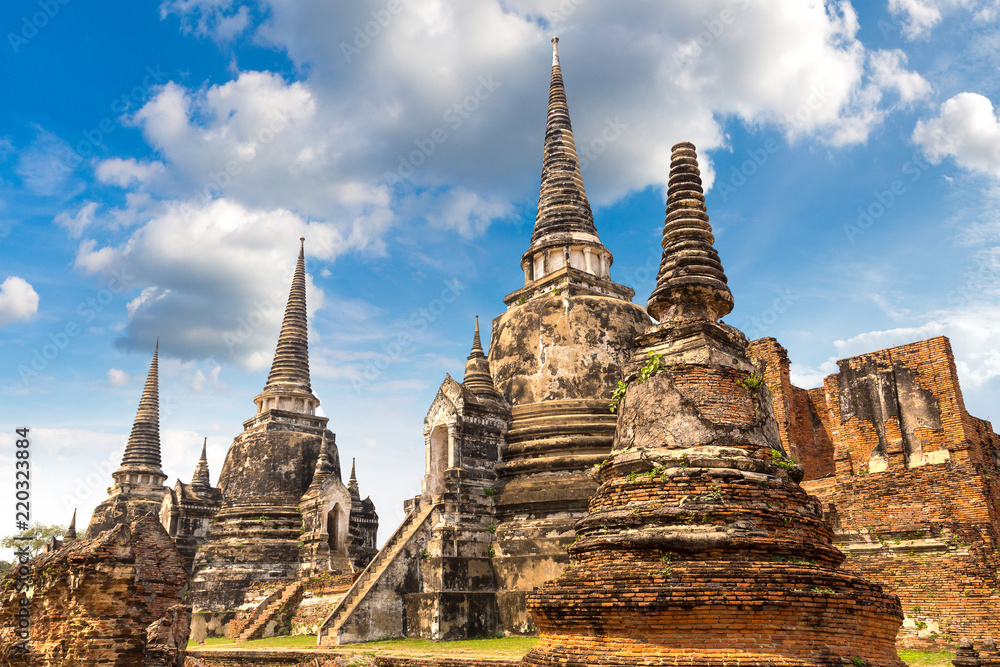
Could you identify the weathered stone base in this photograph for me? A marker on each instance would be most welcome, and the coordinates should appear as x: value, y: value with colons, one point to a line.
x: 210, y: 624
x: 713, y: 613
x: 452, y: 615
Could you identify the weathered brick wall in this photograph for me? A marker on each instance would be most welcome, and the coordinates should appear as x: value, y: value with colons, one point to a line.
x: 913, y: 494
x: 803, y: 432
x: 112, y: 601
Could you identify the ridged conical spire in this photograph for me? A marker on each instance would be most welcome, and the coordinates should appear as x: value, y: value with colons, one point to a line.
x: 478, y: 379
x: 201, y: 481
x: 324, y: 465
x: 290, y: 368
x: 352, y: 485
x: 71, y: 531
x: 562, y: 201
x: 691, y: 282
x: 142, y: 453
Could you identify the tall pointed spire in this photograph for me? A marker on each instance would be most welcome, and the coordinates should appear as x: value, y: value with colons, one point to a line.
x: 324, y: 465
x: 142, y: 452
x: 352, y: 485
x: 71, y: 531
x: 290, y: 368
x: 478, y: 379
x: 562, y: 202
x: 201, y: 481
x: 691, y: 282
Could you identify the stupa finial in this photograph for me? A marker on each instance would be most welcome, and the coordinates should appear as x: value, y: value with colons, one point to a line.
x: 691, y: 282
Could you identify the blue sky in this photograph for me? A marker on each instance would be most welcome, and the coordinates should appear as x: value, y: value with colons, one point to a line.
x: 158, y: 163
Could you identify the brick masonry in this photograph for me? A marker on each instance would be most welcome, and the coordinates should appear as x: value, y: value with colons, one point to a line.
x: 908, y: 480
x: 112, y: 601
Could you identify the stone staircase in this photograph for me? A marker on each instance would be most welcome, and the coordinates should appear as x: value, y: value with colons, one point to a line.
x: 282, y: 603
x: 330, y: 630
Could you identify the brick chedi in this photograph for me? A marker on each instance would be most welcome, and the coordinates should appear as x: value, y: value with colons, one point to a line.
x: 258, y: 535
x: 909, y: 480
x: 188, y: 509
x: 700, y: 548
x: 113, y: 600
x: 138, y: 488
x: 362, y: 527
x: 555, y: 355
x: 433, y: 577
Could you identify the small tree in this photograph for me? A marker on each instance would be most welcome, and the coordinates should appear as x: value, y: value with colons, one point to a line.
x: 39, y: 533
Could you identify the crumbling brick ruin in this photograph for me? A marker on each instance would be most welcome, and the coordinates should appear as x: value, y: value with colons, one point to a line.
x: 112, y: 600
x: 908, y: 480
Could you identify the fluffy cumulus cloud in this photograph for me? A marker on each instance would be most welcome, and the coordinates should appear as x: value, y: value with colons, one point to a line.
x: 918, y: 18
x: 967, y: 129
x: 469, y: 111
x: 210, y: 282
x: 18, y: 300
x: 370, y: 136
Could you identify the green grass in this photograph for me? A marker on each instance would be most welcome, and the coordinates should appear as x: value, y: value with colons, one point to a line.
x: 496, y: 647
x: 941, y: 658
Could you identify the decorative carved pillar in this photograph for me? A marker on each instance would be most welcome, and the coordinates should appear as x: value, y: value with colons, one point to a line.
x: 454, y: 456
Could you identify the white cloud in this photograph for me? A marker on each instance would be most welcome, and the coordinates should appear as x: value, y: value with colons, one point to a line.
x: 888, y: 73
x: 212, y: 281
x: 118, y: 378
x: 18, y: 300
x: 919, y: 16
x: 77, y: 223
x: 967, y: 128
x: 367, y: 108
x: 124, y: 173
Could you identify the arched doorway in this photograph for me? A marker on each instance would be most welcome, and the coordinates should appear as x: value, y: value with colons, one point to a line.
x: 335, y: 529
x: 437, y: 460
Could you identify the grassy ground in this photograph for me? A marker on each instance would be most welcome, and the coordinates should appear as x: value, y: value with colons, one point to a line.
x: 501, y: 647
x: 927, y: 658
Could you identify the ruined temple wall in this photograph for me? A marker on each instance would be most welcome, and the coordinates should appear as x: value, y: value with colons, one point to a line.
x: 114, y: 601
x: 804, y: 434
x: 945, y: 594
x: 914, y: 496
